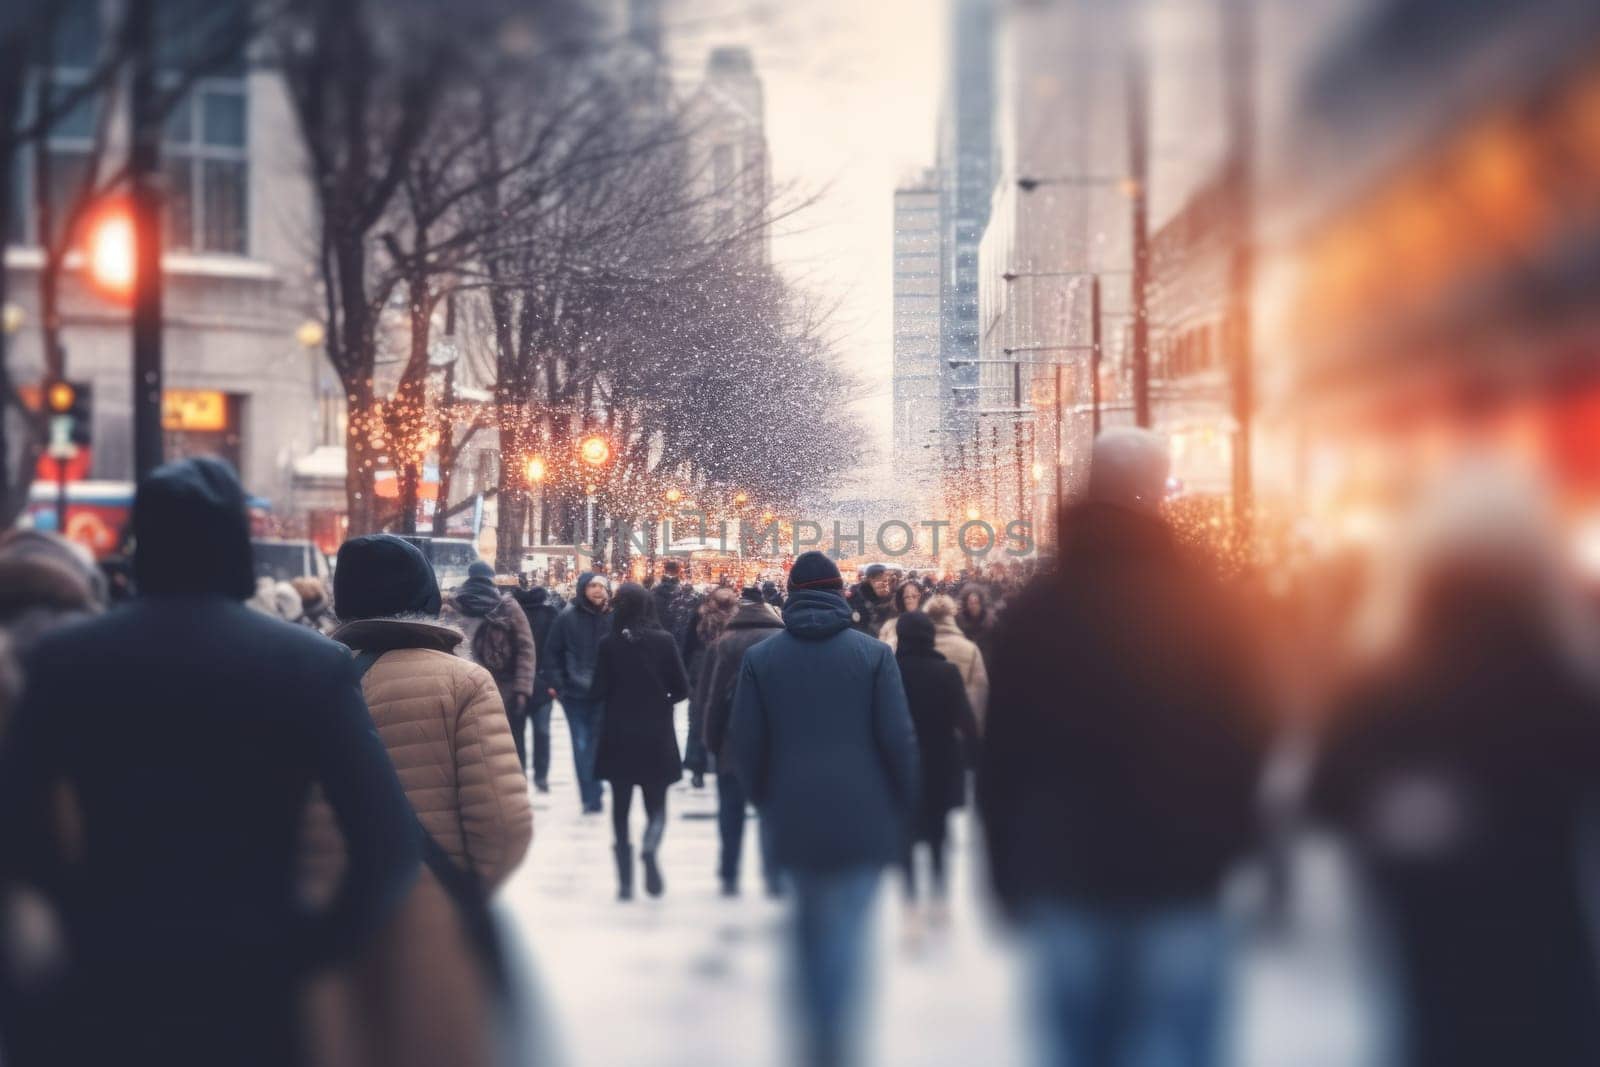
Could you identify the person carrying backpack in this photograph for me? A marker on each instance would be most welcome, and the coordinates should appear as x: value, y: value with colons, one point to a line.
x: 498, y: 639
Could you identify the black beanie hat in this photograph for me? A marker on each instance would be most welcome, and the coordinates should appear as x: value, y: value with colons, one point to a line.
x: 379, y: 575
x: 751, y: 593
x: 814, y: 570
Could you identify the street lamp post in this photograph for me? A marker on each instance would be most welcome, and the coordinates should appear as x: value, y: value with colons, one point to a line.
x: 595, y: 451
x: 144, y: 180
x: 536, y: 474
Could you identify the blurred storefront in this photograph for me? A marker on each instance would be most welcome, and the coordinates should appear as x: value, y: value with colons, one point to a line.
x: 1446, y: 268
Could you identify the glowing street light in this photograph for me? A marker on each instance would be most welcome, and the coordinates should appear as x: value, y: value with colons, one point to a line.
x: 14, y: 317
x: 311, y: 334
x: 110, y: 252
x: 674, y: 495
x: 741, y: 498
x: 536, y: 469
x: 595, y: 450
x: 973, y: 514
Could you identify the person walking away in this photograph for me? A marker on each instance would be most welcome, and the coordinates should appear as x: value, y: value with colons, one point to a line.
x: 1463, y: 767
x: 46, y: 582
x: 153, y: 782
x: 676, y: 603
x: 753, y: 622
x: 640, y: 677
x: 574, y: 647
x: 869, y: 599
x: 947, y: 744
x: 1117, y: 780
x: 955, y: 647
x: 711, y: 620
x: 541, y: 615
x: 907, y: 597
x: 825, y: 747
x: 499, y: 639
x: 424, y: 992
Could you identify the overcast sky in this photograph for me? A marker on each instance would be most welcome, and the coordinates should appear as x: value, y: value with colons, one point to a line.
x: 852, y: 92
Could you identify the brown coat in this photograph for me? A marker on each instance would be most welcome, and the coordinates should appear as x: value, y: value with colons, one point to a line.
x: 416, y: 996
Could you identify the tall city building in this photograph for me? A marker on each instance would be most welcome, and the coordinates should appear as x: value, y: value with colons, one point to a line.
x: 966, y: 169
x: 918, y: 234
x: 726, y: 117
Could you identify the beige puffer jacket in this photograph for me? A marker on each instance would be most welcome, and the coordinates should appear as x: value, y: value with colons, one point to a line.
x: 446, y: 730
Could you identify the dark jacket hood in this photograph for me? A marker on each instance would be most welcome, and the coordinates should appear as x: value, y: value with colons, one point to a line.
x: 581, y: 601
x: 914, y: 633
x: 192, y: 532
x: 755, y: 617
x: 477, y: 596
x: 815, y: 614
x: 382, y: 576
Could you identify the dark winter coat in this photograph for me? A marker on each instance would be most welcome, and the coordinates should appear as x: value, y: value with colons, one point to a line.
x: 868, y: 610
x: 187, y: 731
x: 751, y: 624
x: 823, y: 740
x: 1122, y: 744
x: 640, y: 677
x: 574, y: 644
x: 541, y: 615
x: 676, y: 605
x: 475, y: 603
x: 947, y: 731
x: 1499, y: 739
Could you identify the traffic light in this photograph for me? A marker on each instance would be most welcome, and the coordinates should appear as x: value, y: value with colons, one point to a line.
x: 71, y: 409
x: 110, y: 250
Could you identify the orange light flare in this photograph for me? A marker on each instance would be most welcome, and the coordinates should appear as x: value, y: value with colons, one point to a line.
x: 111, y: 251
x: 595, y: 450
x: 536, y: 469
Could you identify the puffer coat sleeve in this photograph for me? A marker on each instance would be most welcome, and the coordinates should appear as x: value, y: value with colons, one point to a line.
x: 527, y: 652
x: 496, y: 816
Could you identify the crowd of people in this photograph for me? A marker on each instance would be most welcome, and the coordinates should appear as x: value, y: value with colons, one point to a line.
x: 260, y: 823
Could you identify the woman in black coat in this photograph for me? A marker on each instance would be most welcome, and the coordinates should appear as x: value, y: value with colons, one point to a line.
x: 947, y: 739
x: 640, y: 677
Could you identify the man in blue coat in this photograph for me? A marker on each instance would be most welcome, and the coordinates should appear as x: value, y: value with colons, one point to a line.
x: 827, y: 751
x: 570, y: 655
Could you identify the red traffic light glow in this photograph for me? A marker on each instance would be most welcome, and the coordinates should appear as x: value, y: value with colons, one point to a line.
x: 110, y: 250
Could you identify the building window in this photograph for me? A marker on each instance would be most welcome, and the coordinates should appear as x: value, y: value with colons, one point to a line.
x: 206, y: 160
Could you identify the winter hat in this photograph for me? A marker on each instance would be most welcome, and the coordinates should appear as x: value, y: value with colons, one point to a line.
x: 814, y: 570
x: 752, y: 593
x: 1129, y: 469
x: 874, y: 570
x: 480, y: 569
x: 191, y: 531
x: 379, y: 575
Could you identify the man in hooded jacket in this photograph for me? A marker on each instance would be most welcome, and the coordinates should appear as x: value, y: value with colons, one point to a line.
x: 541, y: 614
x: 753, y: 622
x: 572, y: 651
x: 823, y: 740
x: 187, y: 731
x: 499, y: 639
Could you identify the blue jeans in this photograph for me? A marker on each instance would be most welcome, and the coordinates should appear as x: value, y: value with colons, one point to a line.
x: 833, y: 929
x: 1140, y: 989
x: 731, y: 801
x: 583, y: 723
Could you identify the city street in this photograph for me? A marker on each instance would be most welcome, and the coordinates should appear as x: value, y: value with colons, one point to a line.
x: 695, y: 980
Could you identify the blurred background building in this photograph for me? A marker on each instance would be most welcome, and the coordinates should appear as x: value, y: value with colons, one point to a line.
x: 918, y: 237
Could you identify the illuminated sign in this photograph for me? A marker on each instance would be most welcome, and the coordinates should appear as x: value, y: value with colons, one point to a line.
x: 194, y: 410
